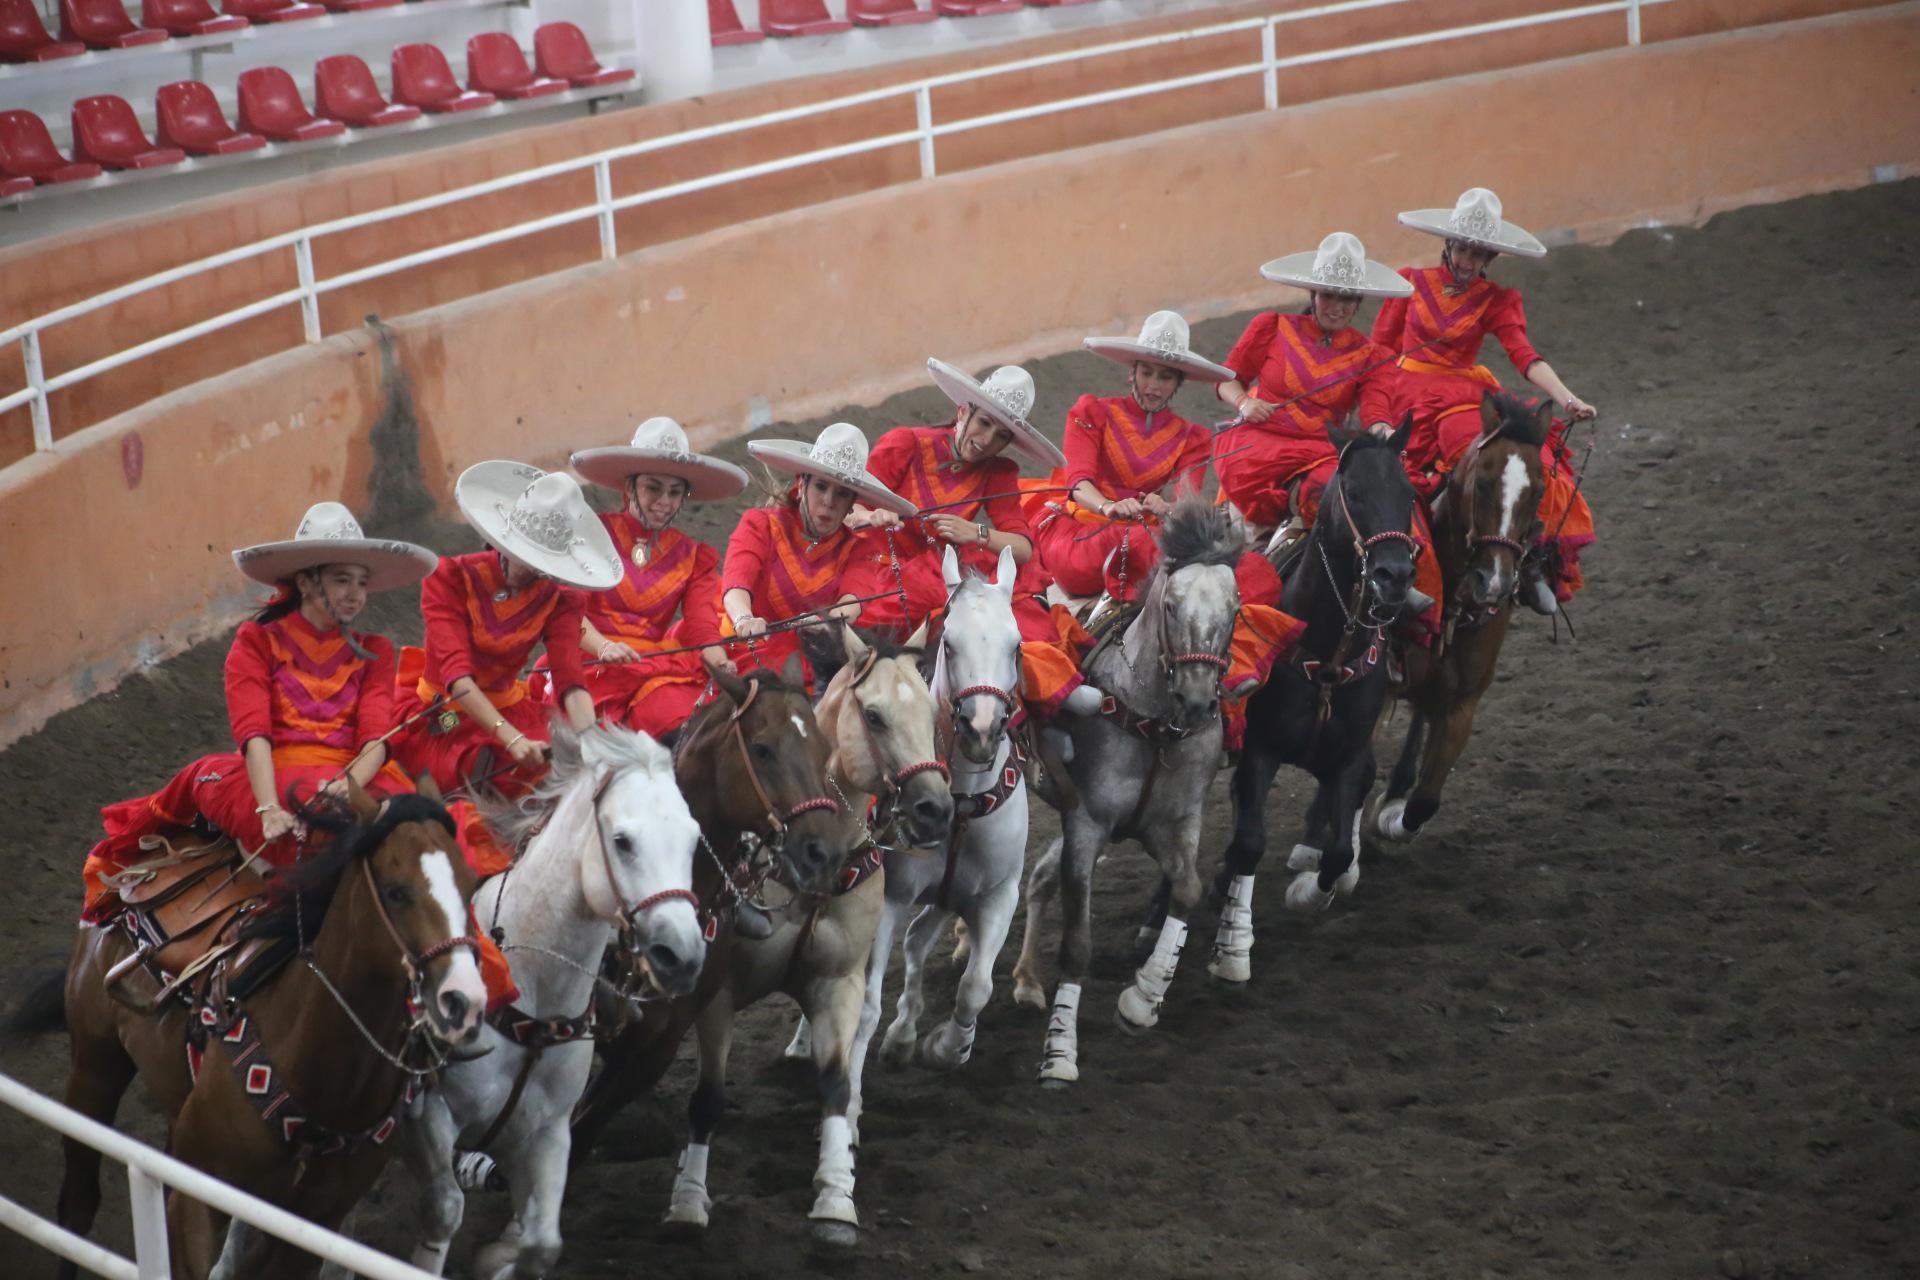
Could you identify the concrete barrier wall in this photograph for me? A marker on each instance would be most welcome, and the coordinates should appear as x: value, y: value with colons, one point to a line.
x: 840, y: 302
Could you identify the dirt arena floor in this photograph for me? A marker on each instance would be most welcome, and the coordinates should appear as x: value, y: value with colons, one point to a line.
x: 1642, y: 1002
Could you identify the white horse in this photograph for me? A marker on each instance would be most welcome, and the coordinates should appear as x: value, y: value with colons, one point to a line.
x: 1141, y: 768
x: 976, y: 676
x: 605, y: 843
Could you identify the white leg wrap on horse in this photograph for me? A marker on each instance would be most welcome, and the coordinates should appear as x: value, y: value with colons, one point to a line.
x: 432, y: 1258
x: 801, y: 1046
x: 1303, y: 858
x: 833, y: 1176
x: 1060, y: 1060
x: 1140, y: 1003
x: 688, y: 1202
x: 1304, y: 894
x: 948, y: 1045
x: 471, y: 1169
x: 1390, y: 822
x: 1349, y: 880
x: 1233, y: 946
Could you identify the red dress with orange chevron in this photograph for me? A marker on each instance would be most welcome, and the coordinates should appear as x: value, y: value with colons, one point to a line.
x: 1283, y: 358
x: 674, y: 576
x: 1442, y: 384
x: 771, y: 557
x: 302, y: 689
x: 477, y: 628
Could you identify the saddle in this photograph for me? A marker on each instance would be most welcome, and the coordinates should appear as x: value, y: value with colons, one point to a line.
x: 183, y: 910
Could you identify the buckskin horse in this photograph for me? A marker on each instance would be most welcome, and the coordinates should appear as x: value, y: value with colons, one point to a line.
x: 289, y: 1084
x: 604, y: 842
x: 1483, y: 527
x: 1141, y: 768
x: 878, y: 719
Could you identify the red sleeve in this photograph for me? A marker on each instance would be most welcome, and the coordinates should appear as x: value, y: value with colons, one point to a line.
x: 890, y: 457
x: 1190, y: 472
x: 1005, y: 513
x: 1250, y: 353
x: 1377, y: 388
x: 862, y: 576
x: 1507, y: 319
x: 249, y: 684
x: 747, y: 550
x: 443, y: 606
x: 1081, y: 442
x: 562, y: 634
x: 699, y: 623
x: 374, y: 716
x: 1390, y: 326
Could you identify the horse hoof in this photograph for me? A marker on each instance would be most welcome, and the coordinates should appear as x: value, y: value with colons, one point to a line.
x: 687, y: 1215
x: 897, y: 1050
x: 1058, y: 1073
x: 1029, y: 993
x: 836, y: 1235
x: 496, y: 1261
x: 1305, y: 896
x: 1228, y: 967
x: 944, y: 1049
x: 1348, y: 880
x: 1303, y: 858
x: 1136, y: 1012
x: 1388, y: 820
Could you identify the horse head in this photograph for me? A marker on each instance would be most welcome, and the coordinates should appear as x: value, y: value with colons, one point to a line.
x: 976, y: 672
x: 755, y: 760
x: 1193, y: 599
x: 1486, y: 521
x: 1368, y: 511
x: 879, y: 717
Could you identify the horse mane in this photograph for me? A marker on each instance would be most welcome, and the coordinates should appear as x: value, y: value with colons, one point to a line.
x: 708, y: 719
x: 1520, y: 418
x: 516, y: 822
x: 1197, y: 531
x: 303, y: 892
x: 826, y: 653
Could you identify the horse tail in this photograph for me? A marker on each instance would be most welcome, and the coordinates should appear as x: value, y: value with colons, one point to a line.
x: 40, y: 1002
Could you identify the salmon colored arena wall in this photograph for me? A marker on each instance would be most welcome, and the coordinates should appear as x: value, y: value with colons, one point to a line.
x: 830, y: 304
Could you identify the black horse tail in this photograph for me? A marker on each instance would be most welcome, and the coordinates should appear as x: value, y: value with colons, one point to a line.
x: 39, y: 1003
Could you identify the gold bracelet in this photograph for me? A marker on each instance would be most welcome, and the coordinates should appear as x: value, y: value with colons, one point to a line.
x: 517, y: 737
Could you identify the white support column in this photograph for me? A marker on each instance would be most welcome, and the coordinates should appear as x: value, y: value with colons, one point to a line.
x: 675, y: 46
x: 37, y: 383
x: 1633, y: 22
x: 923, y: 121
x: 603, y: 196
x: 1270, y: 77
x: 149, y: 1205
x: 309, y: 300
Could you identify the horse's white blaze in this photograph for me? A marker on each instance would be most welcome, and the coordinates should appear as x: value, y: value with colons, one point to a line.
x: 1513, y: 483
x: 463, y: 972
x: 799, y: 726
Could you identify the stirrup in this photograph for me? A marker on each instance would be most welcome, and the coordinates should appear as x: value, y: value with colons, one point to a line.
x: 1102, y: 607
x: 1539, y: 597
x: 750, y: 922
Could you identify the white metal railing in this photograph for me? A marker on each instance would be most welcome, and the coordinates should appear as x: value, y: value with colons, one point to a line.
x: 148, y: 1171
x: 925, y: 134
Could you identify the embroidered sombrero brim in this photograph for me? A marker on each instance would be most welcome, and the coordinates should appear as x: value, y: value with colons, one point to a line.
x: 388, y: 563
x: 792, y: 458
x: 708, y: 478
x: 1377, y: 279
x: 963, y: 389
x: 1511, y: 238
x: 486, y: 493
x: 1127, y: 350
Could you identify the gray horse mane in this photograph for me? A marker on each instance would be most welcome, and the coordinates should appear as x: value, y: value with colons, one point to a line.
x: 1197, y: 531
x: 516, y: 821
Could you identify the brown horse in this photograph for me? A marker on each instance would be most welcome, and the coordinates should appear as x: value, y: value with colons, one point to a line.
x: 300, y: 1081
x: 1483, y: 526
x: 752, y: 765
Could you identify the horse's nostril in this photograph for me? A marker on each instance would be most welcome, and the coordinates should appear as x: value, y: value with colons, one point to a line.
x: 663, y: 958
x: 454, y: 1005
x: 813, y: 854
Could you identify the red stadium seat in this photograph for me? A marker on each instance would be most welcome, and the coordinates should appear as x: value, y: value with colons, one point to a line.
x: 977, y: 8
x: 188, y: 17
x: 191, y: 119
x: 273, y: 10
x: 344, y: 90
x: 14, y: 186
x: 24, y: 38
x: 422, y: 78
x: 560, y: 50
x: 106, y: 132
x: 270, y: 104
x: 358, y: 6
x: 1056, y: 4
x: 495, y: 65
x: 725, y: 27
x: 27, y: 151
x: 888, y: 13
x: 799, y: 18
x: 103, y: 24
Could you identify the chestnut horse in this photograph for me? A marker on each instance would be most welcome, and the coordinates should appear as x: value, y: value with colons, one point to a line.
x: 1483, y: 526
x: 302, y: 1080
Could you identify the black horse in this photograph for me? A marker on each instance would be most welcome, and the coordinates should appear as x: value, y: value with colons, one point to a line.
x: 1318, y: 711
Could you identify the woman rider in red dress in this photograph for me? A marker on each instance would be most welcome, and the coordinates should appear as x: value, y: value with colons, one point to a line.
x: 796, y: 555
x: 308, y: 699
x: 485, y: 612
x: 667, y: 574
x: 1440, y: 329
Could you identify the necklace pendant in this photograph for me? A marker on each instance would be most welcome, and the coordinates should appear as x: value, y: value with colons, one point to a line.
x: 639, y: 554
x: 501, y: 595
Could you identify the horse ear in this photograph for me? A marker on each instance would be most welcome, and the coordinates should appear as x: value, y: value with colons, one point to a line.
x: 1005, y: 572
x: 1543, y: 416
x: 1489, y: 417
x: 851, y: 644
x: 917, y: 642
x: 730, y: 684
x: 1340, y: 435
x: 950, y: 569
x: 1398, y: 440
x: 1534, y: 531
x: 364, y: 806
x: 794, y: 672
x: 426, y: 786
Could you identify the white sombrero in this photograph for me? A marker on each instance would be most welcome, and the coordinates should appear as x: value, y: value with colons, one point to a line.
x: 1340, y: 264
x: 1163, y: 340
x: 328, y: 534
x: 542, y: 519
x: 660, y: 448
x: 839, y: 455
x: 1475, y: 218
x: 1006, y: 396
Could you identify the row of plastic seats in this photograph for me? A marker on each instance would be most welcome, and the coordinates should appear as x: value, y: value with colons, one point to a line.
x: 812, y: 18
x: 103, y: 24
x: 107, y: 133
